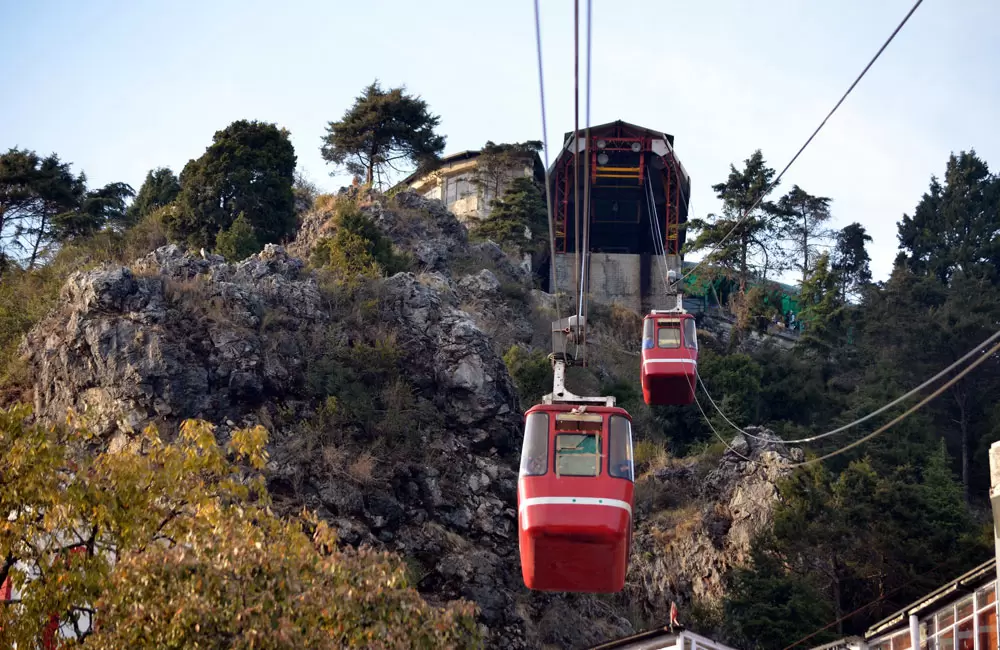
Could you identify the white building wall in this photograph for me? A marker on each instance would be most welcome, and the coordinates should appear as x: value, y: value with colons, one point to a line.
x: 457, y: 189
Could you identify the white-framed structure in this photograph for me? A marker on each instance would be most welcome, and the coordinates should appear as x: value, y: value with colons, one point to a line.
x: 663, y: 639
x: 960, y: 615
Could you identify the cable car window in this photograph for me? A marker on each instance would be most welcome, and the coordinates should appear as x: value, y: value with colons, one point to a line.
x: 577, y: 454
x: 690, y: 334
x: 668, y: 335
x: 620, y: 460
x: 647, y: 333
x: 535, y: 448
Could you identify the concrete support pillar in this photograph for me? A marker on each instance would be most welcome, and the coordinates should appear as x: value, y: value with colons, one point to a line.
x: 914, y: 632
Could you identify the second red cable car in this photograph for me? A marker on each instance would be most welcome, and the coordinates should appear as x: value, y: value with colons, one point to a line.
x: 669, y: 357
x: 575, y: 498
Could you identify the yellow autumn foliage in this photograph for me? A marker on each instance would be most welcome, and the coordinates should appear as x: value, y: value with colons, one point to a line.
x: 173, y: 545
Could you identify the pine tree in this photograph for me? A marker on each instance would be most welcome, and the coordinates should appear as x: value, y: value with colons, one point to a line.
x: 851, y: 259
x: 822, y: 308
x: 766, y: 608
x: 35, y: 192
x: 159, y: 189
x: 955, y: 228
x: 806, y: 216
x: 499, y: 164
x: 249, y: 168
x: 752, y: 248
x: 517, y: 218
x: 384, y: 130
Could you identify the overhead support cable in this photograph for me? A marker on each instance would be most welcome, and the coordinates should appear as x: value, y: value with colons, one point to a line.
x: 576, y: 160
x: 554, y: 278
x: 585, y: 271
x: 712, y: 426
x: 965, y: 357
x: 913, y: 409
x: 803, y: 147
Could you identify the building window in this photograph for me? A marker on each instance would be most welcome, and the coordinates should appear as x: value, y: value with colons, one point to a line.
x: 969, y: 624
x: 451, y: 190
x: 987, y: 612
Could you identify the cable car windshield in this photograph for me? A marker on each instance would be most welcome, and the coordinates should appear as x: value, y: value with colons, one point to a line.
x: 577, y: 454
x: 668, y: 334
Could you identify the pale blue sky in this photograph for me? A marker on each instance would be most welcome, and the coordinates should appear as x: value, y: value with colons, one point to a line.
x: 120, y: 87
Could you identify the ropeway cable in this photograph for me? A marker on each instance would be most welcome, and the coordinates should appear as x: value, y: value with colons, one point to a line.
x: 865, y: 418
x: 774, y: 183
x: 545, y: 147
x: 712, y: 427
x: 951, y: 382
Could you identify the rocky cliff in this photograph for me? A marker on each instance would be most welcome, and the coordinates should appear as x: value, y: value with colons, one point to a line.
x: 390, y: 409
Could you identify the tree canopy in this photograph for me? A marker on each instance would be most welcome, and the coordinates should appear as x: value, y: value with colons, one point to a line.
x: 383, y: 131
x: 498, y: 165
x: 42, y: 203
x: 751, y: 249
x: 160, y: 188
x: 248, y: 168
x: 955, y: 229
x: 517, y: 218
x: 806, y: 216
x: 172, y: 544
x: 851, y: 260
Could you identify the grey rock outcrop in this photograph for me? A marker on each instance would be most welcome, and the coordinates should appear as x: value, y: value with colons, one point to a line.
x: 177, y: 337
x: 714, y: 513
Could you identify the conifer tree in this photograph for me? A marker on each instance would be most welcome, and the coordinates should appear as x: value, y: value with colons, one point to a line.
x: 383, y: 131
x: 159, y: 189
x: 248, y: 168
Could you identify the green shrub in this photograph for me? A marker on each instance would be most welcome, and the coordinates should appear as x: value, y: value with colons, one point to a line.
x: 531, y: 371
x: 358, y: 248
x: 237, y: 242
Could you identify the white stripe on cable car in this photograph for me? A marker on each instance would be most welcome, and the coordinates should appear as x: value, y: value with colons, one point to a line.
x: 578, y: 501
x: 692, y: 361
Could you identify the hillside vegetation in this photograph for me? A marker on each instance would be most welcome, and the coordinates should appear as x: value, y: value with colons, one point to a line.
x: 362, y: 360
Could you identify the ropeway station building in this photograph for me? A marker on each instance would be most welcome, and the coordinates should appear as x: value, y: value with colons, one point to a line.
x: 639, y: 196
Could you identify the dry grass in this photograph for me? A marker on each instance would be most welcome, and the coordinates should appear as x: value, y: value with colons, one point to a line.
x: 326, y: 203
x: 651, y: 456
x: 362, y: 469
x: 195, y: 296
x: 668, y: 526
x: 451, y: 541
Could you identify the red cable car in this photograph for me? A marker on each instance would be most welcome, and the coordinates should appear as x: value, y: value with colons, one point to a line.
x: 575, y: 498
x: 669, y: 357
